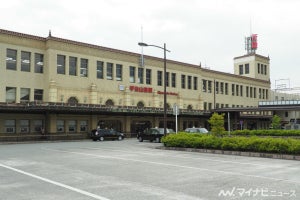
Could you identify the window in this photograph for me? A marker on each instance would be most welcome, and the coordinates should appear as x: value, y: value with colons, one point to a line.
x: 221, y: 88
x: 159, y: 78
x: 267, y: 94
x: 217, y: 87
x: 38, y: 95
x: 195, y: 83
x: 247, y: 91
x: 11, y: 59
x: 148, y: 76
x: 251, y: 92
x: 11, y: 94
x: 73, y: 66
x: 205, y: 106
x: 265, y: 67
x: 132, y: 74
x: 241, y: 71
x: 83, y: 67
x: 25, y: 92
x: 259, y: 93
x: 226, y: 88
x: 83, y: 126
x: 72, y: 126
x: 109, y: 71
x: 100, y: 65
x: 60, y: 126
x: 182, y: 81
x: 237, y: 90
x: 254, y: 91
x: 258, y: 68
x: 209, y: 87
x: 141, y: 75
x: 24, y: 126
x: 173, y: 80
x: 37, y: 125
x: 119, y: 71
x: 38, y: 63
x: 247, y: 68
x: 167, y: 79
x: 25, y: 61
x: 189, y: 80
x: 61, y: 64
x: 232, y: 89
x: 204, y: 86
x: 241, y: 90
x: 10, y: 126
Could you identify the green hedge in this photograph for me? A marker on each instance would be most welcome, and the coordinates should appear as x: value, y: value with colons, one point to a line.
x: 269, y: 132
x: 253, y: 143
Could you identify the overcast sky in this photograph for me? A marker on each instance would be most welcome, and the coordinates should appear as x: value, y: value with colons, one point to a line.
x: 211, y: 32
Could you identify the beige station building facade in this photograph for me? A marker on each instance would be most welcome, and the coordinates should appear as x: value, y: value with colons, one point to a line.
x: 59, y: 86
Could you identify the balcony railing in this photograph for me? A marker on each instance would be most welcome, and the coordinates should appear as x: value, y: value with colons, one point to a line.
x: 51, y: 106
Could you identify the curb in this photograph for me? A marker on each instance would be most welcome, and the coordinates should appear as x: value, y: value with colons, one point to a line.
x: 236, y: 153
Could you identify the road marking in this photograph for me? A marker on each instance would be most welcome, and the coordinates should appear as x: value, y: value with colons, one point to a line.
x: 185, y: 156
x: 55, y: 183
x: 175, y: 165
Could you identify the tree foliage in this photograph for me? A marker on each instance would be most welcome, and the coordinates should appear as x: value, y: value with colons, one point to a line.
x: 276, y: 122
x: 216, y: 122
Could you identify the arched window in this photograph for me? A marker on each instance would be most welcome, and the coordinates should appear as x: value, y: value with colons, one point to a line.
x: 140, y: 104
x: 73, y: 100
x: 109, y: 102
x: 168, y: 106
x: 190, y: 107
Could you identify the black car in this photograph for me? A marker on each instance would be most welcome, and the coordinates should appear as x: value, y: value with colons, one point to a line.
x: 103, y: 134
x: 152, y: 134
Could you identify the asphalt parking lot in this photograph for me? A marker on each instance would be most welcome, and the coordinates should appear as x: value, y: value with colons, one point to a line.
x: 130, y: 170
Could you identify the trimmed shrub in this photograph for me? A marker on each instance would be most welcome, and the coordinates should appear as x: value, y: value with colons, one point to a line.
x: 239, y: 143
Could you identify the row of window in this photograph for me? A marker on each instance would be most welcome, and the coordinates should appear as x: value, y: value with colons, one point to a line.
x: 26, y: 60
x: 261, y: 69
x: 187, y: 82
x: 25, y: 126
x: 11, y: 94
x: 36, y: 126
x: 236, y: 90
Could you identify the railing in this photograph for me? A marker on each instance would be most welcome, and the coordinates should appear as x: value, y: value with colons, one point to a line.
x: 279, y: 103
x: 48, y: 106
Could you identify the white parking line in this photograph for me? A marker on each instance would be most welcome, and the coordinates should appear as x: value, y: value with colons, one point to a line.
x: 55, y: 183
x: 185, y: 156
x: 179, y: 166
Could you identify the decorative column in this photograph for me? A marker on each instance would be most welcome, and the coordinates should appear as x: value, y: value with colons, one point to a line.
x: 93, y: 94
x: 52, y: 91
x: 127, y: 97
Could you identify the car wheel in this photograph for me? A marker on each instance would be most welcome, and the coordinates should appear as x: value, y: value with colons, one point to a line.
x: 157, y: 140
x: 94, y: 139
x: 140, y: 139
x: 120, y: 138
x: 101, y: 138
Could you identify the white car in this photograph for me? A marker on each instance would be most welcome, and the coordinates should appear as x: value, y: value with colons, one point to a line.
x: 196, y: 130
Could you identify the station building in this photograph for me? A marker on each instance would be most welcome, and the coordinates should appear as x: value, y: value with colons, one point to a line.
x: 59, y: 86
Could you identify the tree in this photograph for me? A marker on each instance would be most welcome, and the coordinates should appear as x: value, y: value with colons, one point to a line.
x: 276, y: 122
x: 216, y: 122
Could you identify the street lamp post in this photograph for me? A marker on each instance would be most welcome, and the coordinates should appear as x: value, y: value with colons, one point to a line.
x: 165, y: 80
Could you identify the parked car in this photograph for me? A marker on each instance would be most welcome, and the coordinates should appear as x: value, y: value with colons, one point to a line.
x: 103, y: 134
x: 153, y: 134
x: 196, y: 130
